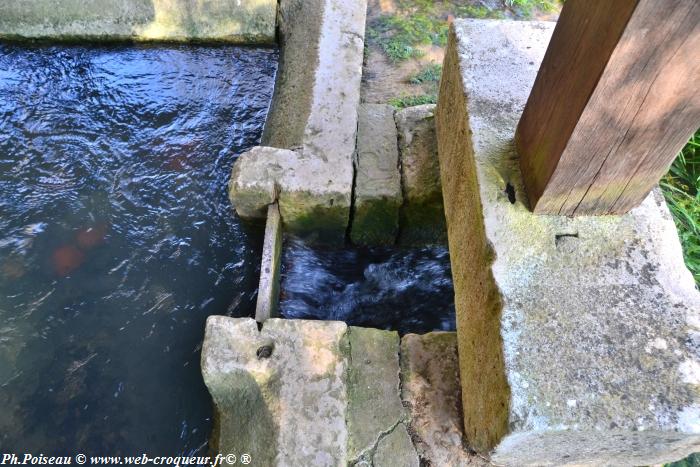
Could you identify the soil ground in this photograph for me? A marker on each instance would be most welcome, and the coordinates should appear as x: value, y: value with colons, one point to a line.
x: 398, y: 81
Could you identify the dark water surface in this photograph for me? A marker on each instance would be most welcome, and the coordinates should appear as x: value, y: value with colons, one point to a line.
x: 401, y: 289
x: 117, y: 241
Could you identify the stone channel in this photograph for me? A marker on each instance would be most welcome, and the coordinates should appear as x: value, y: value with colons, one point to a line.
x: 578, y: 339
x: 575, y: 336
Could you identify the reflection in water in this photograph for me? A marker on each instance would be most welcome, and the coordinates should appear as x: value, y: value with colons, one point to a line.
x: 408, y: 290
x: 117, y: 241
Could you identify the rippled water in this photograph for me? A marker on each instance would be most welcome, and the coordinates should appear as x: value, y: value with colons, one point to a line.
x: 407, y: 290
x: 117, y: 241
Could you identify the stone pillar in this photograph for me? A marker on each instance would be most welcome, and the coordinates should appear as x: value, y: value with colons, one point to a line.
x: 577, y: 337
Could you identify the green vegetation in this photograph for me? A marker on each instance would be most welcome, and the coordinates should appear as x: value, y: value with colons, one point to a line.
x: 478, y: 11
x: 419, y: 23
x: 429, y: 74
x: 526, y: 8
x: 410, y: 101
x: 400, y: 36
x: 681, y: 187
x: 691, y: 461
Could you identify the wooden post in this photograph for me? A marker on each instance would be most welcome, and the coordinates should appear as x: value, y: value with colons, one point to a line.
x: 269, y: 288
x: 616, y: 98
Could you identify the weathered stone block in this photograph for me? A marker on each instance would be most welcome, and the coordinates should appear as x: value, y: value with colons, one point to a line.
x: 377, y: 180
x: 431, y: 391
x: 308, y: 204
x: 244, y: 21
x: 314, y: 113
x: 578, y: 338
x: 374, y: 400
x: 305, y: 392
x: 422, y: 215
x: 396, y: 450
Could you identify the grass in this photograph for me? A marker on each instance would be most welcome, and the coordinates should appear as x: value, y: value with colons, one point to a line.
x: 400, y: 36
x: 691, y: 461
x: 526, y: 8
x: 478, y: 12
x: 681, y: 187
x: 419, y: 23
x: 410, y: 101
x: 429, y: 74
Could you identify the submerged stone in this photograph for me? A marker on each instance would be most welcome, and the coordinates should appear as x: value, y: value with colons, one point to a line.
x: 422, y: 215
x: 577, y: 337
x: 377, y: 180
x: 242, y: 22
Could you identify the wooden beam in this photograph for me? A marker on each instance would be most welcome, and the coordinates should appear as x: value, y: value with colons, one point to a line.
x: 269, y: 288
x: 616, y: 98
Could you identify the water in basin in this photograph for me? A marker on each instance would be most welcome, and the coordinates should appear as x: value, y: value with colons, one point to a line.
x: 117, y: 240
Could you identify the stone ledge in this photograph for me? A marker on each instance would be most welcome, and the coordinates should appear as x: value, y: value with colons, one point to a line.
x: 321, y: 393
x: 314, y: 113
x: 377, y: 180
x: 310, y: 205
x: 578, y: 338
x: 249, y: 21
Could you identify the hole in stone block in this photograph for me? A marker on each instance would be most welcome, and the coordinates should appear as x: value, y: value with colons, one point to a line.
x: 265, y: 351
x: 510, y: 192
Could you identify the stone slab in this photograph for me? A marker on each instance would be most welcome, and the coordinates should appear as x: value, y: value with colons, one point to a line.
x: 267, y: 305
x: 303, y: 392
x: 377, y: 193
x: 578, y: 338
x: 422, y: 215
x: 374, y: 398
x: 396, y: 450
x: 298, y: 182
x: 241, y: 22
x: 431, y: 391
x: 314, y: 113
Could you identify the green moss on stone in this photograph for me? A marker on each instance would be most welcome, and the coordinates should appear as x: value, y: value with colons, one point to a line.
x: 375, y: 222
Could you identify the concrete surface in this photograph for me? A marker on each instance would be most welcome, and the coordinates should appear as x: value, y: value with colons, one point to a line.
x: 422, y: 215
x: 578, y: 338
x: 377, y: 181
x: 241, y: 22
x: 267, y: 305
x: 314, y: 113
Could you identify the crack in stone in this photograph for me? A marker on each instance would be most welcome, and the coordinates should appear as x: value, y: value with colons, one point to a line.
x: 366, y: 457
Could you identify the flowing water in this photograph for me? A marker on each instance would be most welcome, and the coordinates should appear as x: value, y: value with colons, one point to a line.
x: 117, y: 240
x: 407, y: 290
